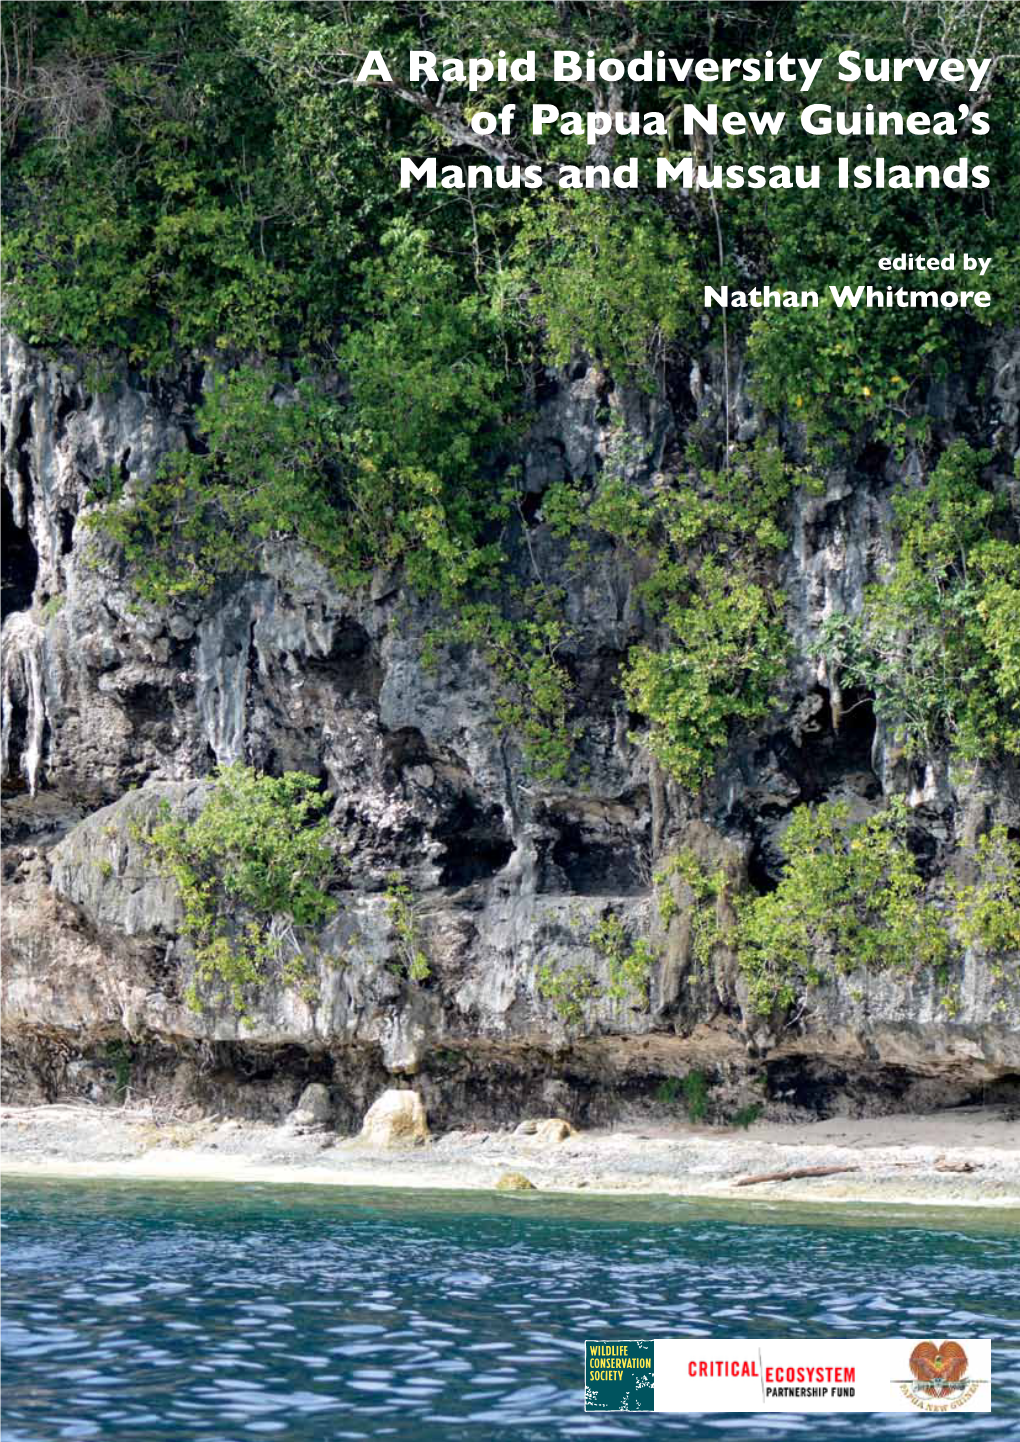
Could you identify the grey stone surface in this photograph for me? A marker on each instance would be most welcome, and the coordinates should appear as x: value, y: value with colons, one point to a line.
x: 112, y: 708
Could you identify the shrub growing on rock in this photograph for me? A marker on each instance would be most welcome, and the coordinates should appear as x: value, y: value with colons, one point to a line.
x: 252, y: 870
x: 851, y: 895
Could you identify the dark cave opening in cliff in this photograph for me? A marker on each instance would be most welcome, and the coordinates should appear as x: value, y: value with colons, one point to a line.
x: 873, y: 459
x: 349, y: 664
x: 474, y: 837
x: 530, y: 506
x: 17, y: 739
x: 482, y: 859
x: 854, y: 734
x: 759, y: 877
x: 825, y: 1087
x: 611, y: 866
x: 68, y: 402
x: 835, y: 747
x: 476, y: 844
x: 65, y: 520
x: 20, y: 562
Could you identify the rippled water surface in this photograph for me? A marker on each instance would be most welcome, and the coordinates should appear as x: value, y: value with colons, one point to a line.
x: 161, y: 1312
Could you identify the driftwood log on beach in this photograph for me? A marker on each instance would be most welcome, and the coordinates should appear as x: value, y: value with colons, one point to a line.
x: 792, y: 1175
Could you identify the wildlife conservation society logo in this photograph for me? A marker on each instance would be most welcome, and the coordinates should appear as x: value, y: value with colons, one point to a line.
x: 940, y: 1382
x: 619, y: 1376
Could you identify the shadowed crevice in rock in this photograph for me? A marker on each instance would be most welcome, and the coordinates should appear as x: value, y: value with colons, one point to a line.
x: 828, y: 749
x: 20, y: 562
x: 16, y: 738
x: 350, y: 666
x: 592, y: 866
x: 824, y: 1089
x: 476, y: 844
x: 825, y: 754
x: 600, y: 848
x: 65, y: 521
x: 69, y: 401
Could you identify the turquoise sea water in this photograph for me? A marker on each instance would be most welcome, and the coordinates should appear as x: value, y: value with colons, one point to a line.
x: 163, y: 1312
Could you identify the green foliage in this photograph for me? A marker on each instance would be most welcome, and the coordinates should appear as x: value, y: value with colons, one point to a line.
x: 202, y: 518
x: 704, y: 888
x: 746, y: 1116
x: 568, y: 988
x: 938, y: 641
x: 850, y: 895
x: 986, y: 912
x: 846, y: 373
x: 252, y: 871
x: 711, y: 539
x: 197, y: 185
x: 53, y: 606
x: 521, y: 649
x: 204, y: 180
x: 426, y: 391
x: 629, y: 962
x: 709, y: 542
x: 142, y: 215
x: 613, y: 281
x: 696, y: 1087
x: 403, y: 919
x: 841, y: 372
x: 393, y: 477
x: 693, y: 1089
x: 722, y: 672
x: 119, y: 1057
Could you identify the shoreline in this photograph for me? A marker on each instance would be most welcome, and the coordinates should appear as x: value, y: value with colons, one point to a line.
x: 969, y: 1157
x: 410, y: 1178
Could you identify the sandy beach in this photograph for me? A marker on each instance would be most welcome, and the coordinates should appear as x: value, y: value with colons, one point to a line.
x: 966, y: 1157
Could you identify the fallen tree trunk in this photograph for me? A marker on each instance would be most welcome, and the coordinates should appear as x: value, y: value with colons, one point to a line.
x: 793, y: 1174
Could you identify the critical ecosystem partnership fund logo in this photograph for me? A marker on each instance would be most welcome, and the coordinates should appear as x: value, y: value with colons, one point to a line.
x: 619, y: 1376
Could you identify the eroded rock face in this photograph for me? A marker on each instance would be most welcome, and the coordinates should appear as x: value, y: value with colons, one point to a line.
x: 112, y: 709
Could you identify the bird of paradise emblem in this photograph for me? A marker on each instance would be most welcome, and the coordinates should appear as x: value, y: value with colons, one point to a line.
x: 940, y: 1377
x: 939, y: 1368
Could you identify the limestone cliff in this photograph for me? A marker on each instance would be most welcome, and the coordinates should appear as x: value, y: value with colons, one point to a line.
x: 111, y: 706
